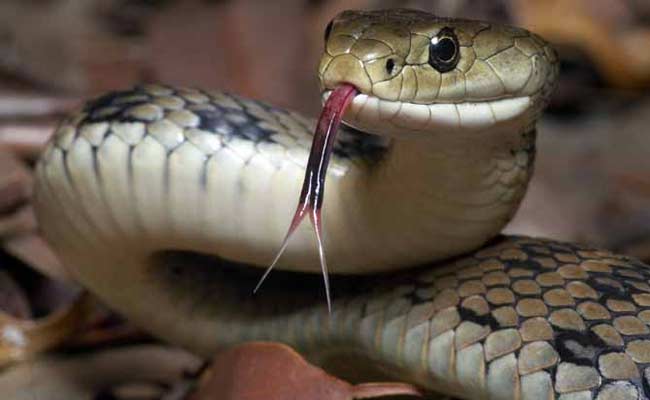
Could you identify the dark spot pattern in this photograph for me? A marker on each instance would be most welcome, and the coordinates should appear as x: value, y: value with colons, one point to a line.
x: 231, y: 119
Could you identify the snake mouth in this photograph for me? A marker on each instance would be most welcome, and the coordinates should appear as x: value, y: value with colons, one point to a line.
x: 387, y: 117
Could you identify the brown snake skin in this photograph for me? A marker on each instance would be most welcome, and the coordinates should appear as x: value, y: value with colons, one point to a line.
x: 553, y: 320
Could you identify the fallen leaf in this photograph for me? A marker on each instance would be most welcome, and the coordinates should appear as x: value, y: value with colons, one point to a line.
x: 273, y: 371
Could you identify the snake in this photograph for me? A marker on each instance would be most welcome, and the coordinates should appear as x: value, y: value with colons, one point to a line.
x: 168, y: 202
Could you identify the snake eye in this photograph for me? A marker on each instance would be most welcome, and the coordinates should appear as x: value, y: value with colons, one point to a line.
x: 328, y: 30
x: 443, y: 50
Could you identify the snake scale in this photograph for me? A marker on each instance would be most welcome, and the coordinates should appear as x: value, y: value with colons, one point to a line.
x: 165, y: 201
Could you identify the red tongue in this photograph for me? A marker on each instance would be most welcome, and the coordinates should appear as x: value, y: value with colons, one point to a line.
x: 313, y: 186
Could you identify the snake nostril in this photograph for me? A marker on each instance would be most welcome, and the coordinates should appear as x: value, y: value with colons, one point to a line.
x: 390, y: 66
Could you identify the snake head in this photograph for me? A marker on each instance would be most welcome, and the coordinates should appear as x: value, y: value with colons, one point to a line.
x: 418, y: 73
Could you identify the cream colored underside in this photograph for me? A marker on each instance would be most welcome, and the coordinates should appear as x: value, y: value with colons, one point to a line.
x: 396, y: 118
x: 243, y: 210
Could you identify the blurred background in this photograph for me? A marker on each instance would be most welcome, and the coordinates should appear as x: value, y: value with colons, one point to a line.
x: 592, y: 180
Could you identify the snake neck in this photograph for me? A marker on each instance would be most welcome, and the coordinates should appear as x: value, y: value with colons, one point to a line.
x: 439, y: 190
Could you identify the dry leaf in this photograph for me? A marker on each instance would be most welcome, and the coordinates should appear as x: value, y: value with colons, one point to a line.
x: 273, y: 371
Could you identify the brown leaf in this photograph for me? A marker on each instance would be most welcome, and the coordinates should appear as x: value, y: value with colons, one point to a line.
x: 274, y: 371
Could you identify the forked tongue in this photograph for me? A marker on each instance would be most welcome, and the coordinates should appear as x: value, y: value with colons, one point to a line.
x: 313, y: 186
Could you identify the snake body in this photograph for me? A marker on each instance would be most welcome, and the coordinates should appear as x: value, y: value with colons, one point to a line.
x: 163, y: 201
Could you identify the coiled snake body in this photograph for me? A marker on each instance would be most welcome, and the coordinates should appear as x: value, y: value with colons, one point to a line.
x: 162, y: 201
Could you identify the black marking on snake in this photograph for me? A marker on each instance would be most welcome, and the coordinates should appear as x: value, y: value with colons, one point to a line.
x: 352, y: 143
x: 645, y: 382
x: 210, y: 120
x: 470, y: 315
x: 630, y: 275
x: 230, y: 122
x: 606, y: 290
x: 96, y: 109
x: 631, y: 289
x: 110, y: 99
x: 580, y: 347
